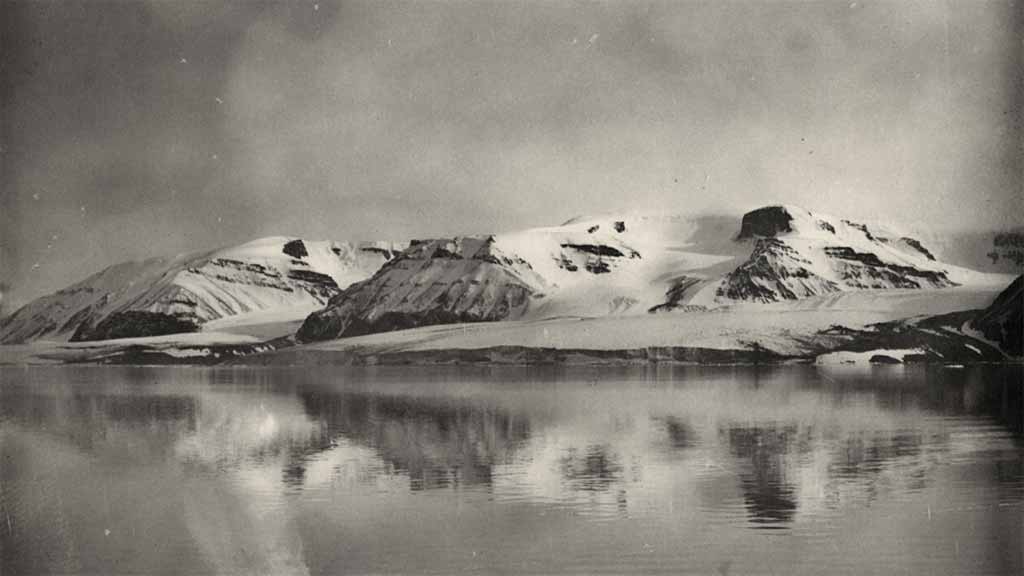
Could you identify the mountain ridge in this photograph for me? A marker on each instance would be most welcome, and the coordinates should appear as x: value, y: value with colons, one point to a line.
x: 628, y: 264
x: 185, y: 291
x: 645, y: 263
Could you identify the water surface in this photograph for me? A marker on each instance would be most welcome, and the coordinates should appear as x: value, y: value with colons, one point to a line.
x: 795, y: 470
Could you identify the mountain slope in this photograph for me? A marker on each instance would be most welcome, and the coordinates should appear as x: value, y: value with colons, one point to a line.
x: 632, y: 264
x: 586, y: 267
x: 1003, y: 321
x: 180, y: 294
x: 796, y: 254
x: 433, y: 282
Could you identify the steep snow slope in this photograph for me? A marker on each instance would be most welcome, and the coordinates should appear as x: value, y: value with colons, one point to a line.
x: 619, y: 265
x: 633, y: 264
x: 165, y: 295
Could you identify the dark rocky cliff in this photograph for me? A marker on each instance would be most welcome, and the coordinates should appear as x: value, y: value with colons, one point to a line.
x: 134, y: 324
x: 1003, y: 320
x: 767, y: 222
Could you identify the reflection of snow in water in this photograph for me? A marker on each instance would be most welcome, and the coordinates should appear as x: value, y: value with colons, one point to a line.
x: 733, y: 451
x: 239, y: 515
x: 347, y: 465
x: 233, y: 430
x: 777, y: 455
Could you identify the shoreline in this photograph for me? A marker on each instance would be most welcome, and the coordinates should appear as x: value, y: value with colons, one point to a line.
x: 863, y: 328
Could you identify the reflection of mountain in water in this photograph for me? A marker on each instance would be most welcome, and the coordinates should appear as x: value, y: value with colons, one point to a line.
x: 771, y: 457
x: 679, y: 434
x: 594, y: 468
x: 986, y: 391
x: 769, y: 496
x: 93, y: 421
x: 440, y: 440
x: 436, y: 442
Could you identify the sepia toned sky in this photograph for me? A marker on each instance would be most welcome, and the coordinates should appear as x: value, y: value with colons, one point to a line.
x: 131, y: 129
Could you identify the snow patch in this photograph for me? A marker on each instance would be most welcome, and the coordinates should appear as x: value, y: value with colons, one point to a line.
x: 845, y: 357
x: 186, y: 352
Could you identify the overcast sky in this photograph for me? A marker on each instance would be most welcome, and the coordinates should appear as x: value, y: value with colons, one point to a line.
x: 133, y: 129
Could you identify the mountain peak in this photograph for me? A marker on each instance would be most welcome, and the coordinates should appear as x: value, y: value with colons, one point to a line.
x: 769, y: 221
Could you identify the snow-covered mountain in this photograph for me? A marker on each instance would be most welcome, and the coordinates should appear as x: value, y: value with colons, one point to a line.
x: 628, y: 264
x: 433, y: 282
x: 633, y: 264
x: 795, y: 254
x: 180, y: 294
x: 586, y: 267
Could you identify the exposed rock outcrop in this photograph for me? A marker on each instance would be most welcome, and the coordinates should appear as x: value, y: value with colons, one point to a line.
x: 774, y: 271
x: 433, y: 282
x: 675, y: 295
x: 767, y: 222
x: 916, y: 245
x: 134, y: 324
x: 866, y: 271
x: 797, y: 254
x: 1003, y: 320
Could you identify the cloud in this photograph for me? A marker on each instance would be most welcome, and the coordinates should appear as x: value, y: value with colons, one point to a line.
x: 849, y: 106
x: 363, y: 119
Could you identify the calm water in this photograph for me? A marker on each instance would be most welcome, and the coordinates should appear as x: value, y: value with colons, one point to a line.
x: 677, y: 470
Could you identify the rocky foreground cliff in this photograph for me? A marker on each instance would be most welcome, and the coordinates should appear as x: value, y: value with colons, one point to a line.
x: 1003, y: 321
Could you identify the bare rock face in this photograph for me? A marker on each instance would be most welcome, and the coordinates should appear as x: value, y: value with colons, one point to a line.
x: 134, y: 324
x: 775, y: 271
x: 766, y: 222
x: 1003, y: 320
x: 916, y: 245
x: 866, y: 271
x: 433, y: 282
x: 674, y: 295
x: 295, y: 248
